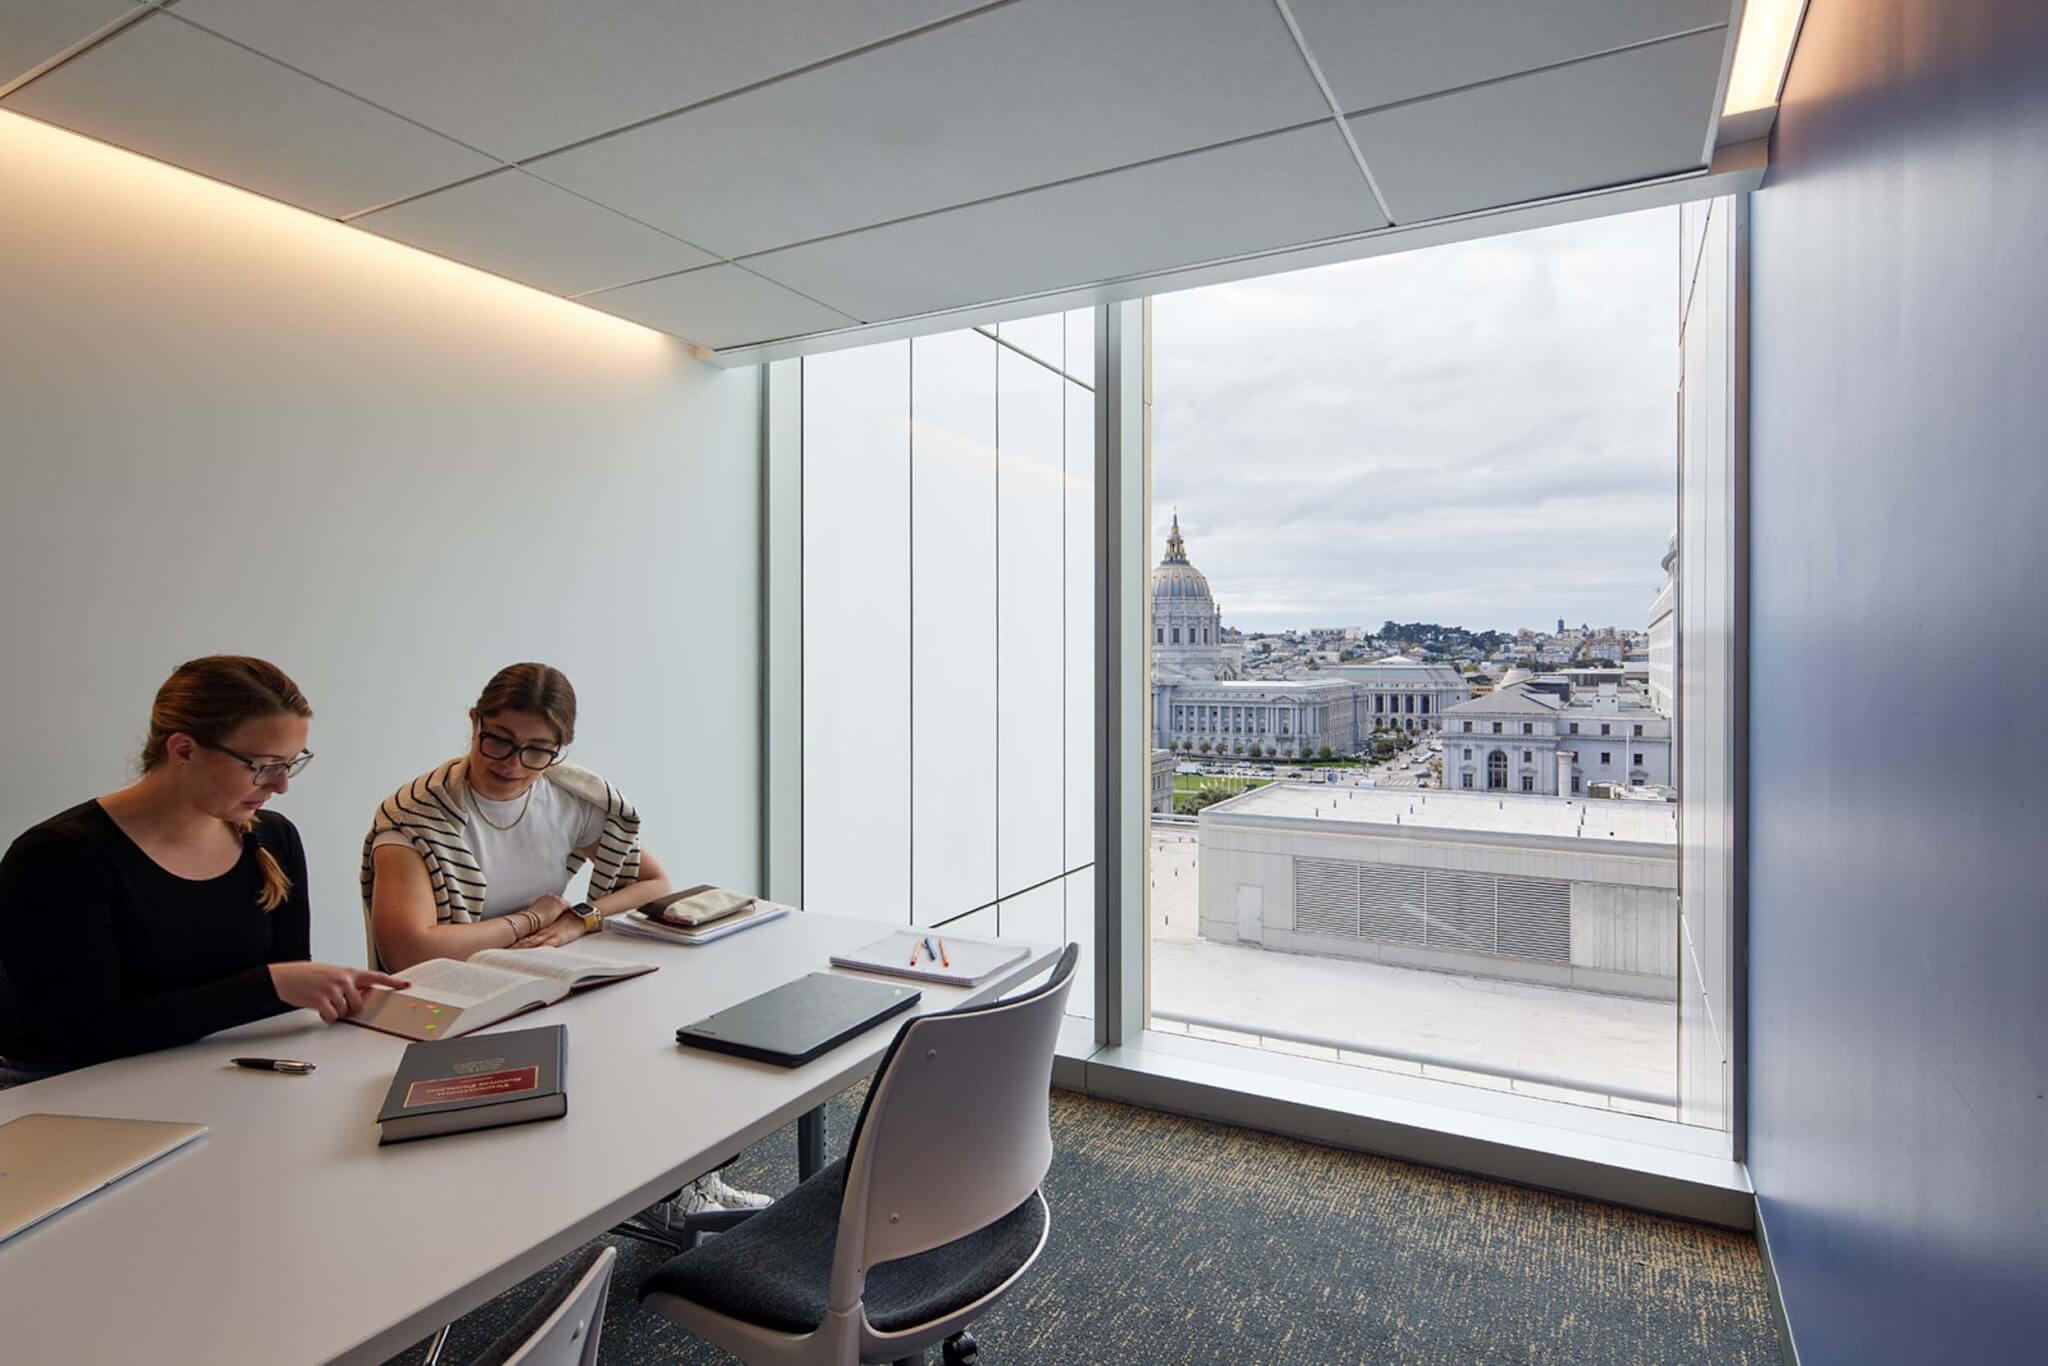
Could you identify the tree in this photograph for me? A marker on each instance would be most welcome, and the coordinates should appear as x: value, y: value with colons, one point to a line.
x: 1326, y: 753
x: 1256, y: 750
x: 1205, y: 746
x: 1193, y: 803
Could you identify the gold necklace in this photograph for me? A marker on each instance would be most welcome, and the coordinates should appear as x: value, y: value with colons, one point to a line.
x: 476, y: 805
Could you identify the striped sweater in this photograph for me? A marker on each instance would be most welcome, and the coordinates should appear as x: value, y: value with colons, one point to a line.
x: 430, y: 812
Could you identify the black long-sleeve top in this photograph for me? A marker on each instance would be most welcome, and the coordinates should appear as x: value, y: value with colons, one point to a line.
x: 107, y: 953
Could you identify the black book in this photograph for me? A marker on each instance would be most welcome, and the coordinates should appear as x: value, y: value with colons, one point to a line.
x: 481, y: 1082
x: 799, y: 1020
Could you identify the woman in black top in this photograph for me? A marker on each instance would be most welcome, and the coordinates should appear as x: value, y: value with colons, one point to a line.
x: 176, y: 906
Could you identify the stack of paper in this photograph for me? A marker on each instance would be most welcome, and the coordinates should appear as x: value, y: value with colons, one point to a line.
x: 962, y: 962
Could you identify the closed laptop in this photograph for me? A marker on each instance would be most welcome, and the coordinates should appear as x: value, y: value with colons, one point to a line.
x: 50, y: 1161
x: 799, y: 1020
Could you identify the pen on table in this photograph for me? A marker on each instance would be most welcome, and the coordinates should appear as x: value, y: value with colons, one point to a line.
x: 945, y: 959
x: 292, y: 1065
x: 931, y: 954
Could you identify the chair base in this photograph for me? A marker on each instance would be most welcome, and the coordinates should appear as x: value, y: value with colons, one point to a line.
x: 695, y: 1228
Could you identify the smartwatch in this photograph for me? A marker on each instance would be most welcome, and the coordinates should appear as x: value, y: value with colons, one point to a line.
x: 588, y: 914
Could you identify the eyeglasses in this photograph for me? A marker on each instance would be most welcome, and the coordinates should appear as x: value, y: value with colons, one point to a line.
x: 263, y: 772
x: 497, y: 746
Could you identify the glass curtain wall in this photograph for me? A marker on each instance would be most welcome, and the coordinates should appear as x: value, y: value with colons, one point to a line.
x: 1412, y: 668
x: 948, y: 735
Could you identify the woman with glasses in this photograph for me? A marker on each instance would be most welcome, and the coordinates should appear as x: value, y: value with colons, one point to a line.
x: 176, y: 906
x: 476, y: 853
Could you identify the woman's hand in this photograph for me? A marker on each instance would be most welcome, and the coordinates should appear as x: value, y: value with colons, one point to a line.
x: 554, y: 935
x: 549, y: 908
x: 335, y: 992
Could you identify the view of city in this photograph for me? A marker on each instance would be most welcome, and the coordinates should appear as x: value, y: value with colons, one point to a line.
x: 1445, y: 844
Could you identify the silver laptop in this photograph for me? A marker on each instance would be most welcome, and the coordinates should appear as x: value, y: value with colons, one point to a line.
x: 48, y: 1162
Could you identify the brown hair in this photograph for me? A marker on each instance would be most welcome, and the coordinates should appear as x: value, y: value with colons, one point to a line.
x: 206, y: 699
x: 537, y: 688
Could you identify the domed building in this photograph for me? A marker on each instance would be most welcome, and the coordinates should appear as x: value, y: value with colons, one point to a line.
x: 1201, y: 702
x: 1187, y: 626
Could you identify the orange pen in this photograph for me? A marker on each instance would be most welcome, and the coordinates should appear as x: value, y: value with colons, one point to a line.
x: 945, y: 959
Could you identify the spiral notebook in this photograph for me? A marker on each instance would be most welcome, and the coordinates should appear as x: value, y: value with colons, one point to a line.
x: 965, y: 962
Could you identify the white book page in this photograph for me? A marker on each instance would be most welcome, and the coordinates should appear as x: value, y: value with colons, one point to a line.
x: 466, y: 984
x: 556, y: 965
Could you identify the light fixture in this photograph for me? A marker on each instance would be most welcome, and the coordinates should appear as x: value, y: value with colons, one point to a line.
x: 1763, y: 50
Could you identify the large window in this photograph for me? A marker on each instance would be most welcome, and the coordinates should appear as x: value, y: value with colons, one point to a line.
x: 1383, y: 482
x: 948, y: 741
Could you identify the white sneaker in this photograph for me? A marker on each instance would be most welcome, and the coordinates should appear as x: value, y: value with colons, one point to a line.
x: 732, y: 1197
x: 692, y: 1199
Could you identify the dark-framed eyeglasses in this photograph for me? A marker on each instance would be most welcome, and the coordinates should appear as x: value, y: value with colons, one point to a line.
x: 263, y: 772
x: 498, y: 746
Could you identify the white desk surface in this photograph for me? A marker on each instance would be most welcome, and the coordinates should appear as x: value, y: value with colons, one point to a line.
x: 287, y: 1235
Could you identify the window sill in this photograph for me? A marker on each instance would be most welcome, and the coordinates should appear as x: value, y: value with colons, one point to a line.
x: 1665, y: 1168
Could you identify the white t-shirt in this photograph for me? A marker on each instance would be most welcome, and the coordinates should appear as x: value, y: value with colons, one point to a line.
x: 531, y: 858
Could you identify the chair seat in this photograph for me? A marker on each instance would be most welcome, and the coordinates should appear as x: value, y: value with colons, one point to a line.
x: 775, y: 1269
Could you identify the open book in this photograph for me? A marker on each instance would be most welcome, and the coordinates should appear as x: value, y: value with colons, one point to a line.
x: 448, y: 998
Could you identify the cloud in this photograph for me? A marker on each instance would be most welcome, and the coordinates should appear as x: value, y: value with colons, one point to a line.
x: 1480, y: 434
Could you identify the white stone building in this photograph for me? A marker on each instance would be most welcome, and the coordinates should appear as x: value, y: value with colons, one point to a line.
x: 1406, y: 694
x: 1203, y: 704
x: 1664, y: 634
x: 1541, y: 739
x: 1569, y: 892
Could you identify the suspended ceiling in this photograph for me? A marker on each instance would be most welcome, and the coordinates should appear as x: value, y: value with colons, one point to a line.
x: 754, y: 176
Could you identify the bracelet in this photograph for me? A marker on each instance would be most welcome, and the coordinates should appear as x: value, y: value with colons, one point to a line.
x: 515, y: 931
x: 533, y: 923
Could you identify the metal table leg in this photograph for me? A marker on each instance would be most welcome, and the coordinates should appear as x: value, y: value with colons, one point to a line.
x: 810, y: 1143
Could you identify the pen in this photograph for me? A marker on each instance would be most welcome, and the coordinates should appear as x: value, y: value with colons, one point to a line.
x: 292, y: 1065
x: 931, y: 954
x: 945, y: 959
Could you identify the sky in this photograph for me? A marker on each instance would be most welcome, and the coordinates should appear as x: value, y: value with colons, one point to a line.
x: 1479, y: 434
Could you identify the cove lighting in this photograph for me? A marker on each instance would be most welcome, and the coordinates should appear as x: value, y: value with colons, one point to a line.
x: 1763, y: 49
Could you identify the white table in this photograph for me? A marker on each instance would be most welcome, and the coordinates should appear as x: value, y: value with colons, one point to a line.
x: 287, y: 1235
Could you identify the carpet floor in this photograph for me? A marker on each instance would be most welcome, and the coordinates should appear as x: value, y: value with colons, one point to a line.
x: 1180, y: 1241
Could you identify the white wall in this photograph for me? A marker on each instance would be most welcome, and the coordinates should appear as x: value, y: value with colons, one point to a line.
x: 229, y: 426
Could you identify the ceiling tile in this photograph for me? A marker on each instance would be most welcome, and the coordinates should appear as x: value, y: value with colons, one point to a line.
x: 1275, y: 191
x: 1377, y: 53
x: 1024, y: 95
x: 170, y: 91
x: 520, y: 77
x: 530, y: 231
x: 1605, y: 121
x: 719, y: 306
x: 32, y: 33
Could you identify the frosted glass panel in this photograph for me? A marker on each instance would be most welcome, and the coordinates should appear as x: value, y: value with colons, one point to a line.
x: 1044, y: 337
x: 856, y: 540
x: 981, y: 924
x: 1080, y: 625
x: 953, y: 625
x: 1081, y: 345
x: 1030, y: 626
x: 1038, y: 915
x: 1080, y: 894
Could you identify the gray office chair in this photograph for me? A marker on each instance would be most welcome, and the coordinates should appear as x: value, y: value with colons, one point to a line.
x: 934, y: 1213
x: 562, y: 1327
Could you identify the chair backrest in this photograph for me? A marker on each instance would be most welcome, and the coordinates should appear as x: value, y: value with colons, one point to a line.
x: 562, y: 1327
x: 957, y: 1129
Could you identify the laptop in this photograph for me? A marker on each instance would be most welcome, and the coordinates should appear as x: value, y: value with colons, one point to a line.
x: 799, y: 1020
x: 49, y: 1162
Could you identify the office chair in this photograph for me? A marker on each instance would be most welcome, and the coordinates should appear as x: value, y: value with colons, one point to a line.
x: 934, y: 1213
x: 562, y: 1327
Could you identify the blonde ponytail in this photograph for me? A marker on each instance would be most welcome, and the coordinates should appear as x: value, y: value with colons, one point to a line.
x: 276, y: 886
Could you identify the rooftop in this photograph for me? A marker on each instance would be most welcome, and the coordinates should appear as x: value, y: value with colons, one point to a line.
x: 1500, y: 815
